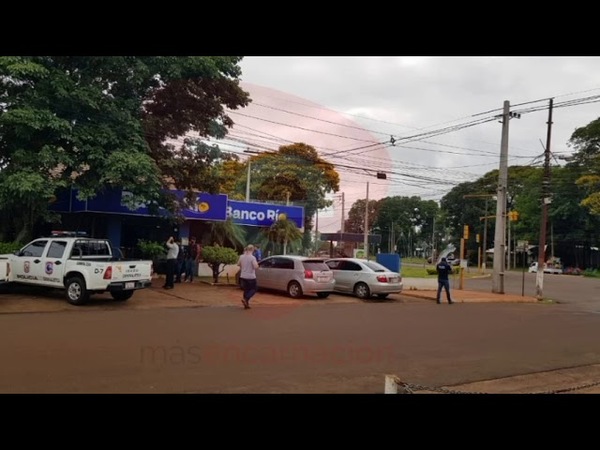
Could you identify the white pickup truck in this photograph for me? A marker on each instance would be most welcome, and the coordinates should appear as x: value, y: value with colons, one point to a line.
x: 80, y: 266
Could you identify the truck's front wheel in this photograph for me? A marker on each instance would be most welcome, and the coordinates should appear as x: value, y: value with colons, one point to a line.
x: 76, y: 292
x: 121, y: 296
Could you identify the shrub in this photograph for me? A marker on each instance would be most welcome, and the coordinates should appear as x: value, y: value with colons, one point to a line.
x: 217, y: 258
x: 455, y: 271
x: 151, y: 250
x: 9, y: 247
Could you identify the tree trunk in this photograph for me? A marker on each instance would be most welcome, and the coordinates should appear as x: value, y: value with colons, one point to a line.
x: 215, y: 269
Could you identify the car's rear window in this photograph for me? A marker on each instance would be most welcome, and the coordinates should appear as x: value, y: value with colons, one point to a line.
x: 315, y: 265
x: 375, y: 266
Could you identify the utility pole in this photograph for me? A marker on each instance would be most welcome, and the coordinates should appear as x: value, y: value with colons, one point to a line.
x: 508, y: 225
x: 342, y: 243
x: 317, y: 233
x: 248, y: 182
x: 343, y: 212
x: 433, y: 242
x: 500, y: 234
x: 366, y: 240
x: 485, y: 236
x: 539, y: 279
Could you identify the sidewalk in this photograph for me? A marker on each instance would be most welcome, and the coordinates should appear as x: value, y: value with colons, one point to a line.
x: 423, y: 288
x: 426, y: 288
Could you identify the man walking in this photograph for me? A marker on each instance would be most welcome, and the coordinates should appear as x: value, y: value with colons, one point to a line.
x: 443, y: 270
x: 248, y: 265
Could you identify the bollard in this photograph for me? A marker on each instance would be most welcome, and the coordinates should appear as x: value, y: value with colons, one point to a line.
x: 394, y: 386
x: 391, y: 385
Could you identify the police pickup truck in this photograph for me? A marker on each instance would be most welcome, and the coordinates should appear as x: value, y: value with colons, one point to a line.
x: 79, y: 266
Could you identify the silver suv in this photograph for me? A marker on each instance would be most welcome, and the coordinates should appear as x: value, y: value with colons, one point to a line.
x: 296, y: 275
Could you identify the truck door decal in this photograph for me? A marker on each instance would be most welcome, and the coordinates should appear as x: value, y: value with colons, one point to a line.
x: 49, y: 267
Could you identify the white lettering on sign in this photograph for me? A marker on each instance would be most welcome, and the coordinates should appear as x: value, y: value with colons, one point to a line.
x: 244, y: 214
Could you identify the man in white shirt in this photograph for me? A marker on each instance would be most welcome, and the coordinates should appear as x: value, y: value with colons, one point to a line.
x: 172, y: 252
x: 248, y: 266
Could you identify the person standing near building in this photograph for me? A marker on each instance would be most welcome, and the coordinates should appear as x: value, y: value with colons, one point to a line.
x: 257, y: 253
x: 172, y: 252
x: 194, y: 254
x: 443, y: 270
x: 180, y: 266
x: 248, y: 265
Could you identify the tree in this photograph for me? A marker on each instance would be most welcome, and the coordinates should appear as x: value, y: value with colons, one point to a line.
x: 406, y: 217
x: 355, y: 223
x: 295, y: 173
x: 233, y: 179
x: 227, y: 233
x: 586, y: 142
x: 283, y: 231
x: 217, y: 258
x: 96, y: 123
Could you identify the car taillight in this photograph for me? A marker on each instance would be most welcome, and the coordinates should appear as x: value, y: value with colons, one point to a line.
x: 308, y: 274
x: 108, y: 273
x: 382, y: 278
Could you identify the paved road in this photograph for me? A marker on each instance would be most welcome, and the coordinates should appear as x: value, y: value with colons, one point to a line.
x: 577, y: 291
x: 336, y: 346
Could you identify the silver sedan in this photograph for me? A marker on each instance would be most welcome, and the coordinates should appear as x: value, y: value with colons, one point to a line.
x: 364, y: 278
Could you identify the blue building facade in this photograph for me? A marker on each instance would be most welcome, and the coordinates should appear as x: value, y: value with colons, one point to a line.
x: 108, y: 215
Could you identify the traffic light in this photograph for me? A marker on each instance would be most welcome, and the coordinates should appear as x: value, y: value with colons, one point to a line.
x: 466, y: 232
x: 513, y: 215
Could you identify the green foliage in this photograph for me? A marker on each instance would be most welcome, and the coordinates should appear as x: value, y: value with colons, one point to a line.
x: 9, y: 247
x: 102, y: 122
x: 217, y: 258
x: 283, y: 232
x: 455, y: 271
x: 409, y: 220
x: 591, y: 273
x: 227, y: 232
x: 151, y: 250
x: 294, y: 172
x: 355, y: 223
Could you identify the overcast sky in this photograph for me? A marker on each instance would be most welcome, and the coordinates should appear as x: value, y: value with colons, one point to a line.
x: 337, y: 104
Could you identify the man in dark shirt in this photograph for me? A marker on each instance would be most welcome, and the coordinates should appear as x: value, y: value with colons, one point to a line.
x: 443, y: 270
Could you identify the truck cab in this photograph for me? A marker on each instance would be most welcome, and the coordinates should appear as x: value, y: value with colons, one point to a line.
x: 80, y: 266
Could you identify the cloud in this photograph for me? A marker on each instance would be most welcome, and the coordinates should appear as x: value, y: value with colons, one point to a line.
x: 325, y: 101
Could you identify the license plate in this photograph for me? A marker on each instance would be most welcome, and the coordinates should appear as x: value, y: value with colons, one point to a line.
x: 393, y: 280
x: 130, y: 285
x: 322, y: 279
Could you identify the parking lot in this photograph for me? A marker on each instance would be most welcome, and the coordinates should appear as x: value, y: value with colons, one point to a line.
x: 23, y: 299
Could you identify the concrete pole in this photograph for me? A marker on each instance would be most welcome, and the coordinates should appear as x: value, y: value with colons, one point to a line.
x: 366, y: 240
x: 342, y: 228
x: 500, y: 233
x: 248, y: 183
x: 539, y: 279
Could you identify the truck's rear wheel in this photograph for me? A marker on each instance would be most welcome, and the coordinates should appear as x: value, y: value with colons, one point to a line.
x: 121, y: 296
x: 76, y: 292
